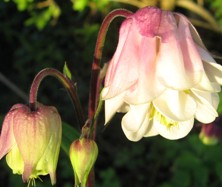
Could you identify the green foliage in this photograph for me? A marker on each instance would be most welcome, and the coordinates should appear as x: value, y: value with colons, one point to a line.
x: 216, y: 7
x: 220, y: 104
x: 41, y: 18
x: 80, y: 5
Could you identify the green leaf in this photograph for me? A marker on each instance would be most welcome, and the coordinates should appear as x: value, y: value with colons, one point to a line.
x: 79, y: 5
x: 67, y: 72
x: 219, y: 110
x: 69, y: 134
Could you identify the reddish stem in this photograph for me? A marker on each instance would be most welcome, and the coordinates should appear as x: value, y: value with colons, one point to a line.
x: 67, y: 83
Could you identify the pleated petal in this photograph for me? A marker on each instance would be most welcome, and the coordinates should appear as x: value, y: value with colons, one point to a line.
x: 174, y: 132
x: 176, y: 105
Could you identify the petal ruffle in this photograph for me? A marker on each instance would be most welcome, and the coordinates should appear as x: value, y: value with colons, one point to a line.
x: 174, y: 132
x: 175, y: 105
x: 139, y: 134
x: 207, y: 104
x: 135, y: 117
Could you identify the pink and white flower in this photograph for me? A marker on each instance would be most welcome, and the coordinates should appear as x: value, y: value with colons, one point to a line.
x: 162, y: 76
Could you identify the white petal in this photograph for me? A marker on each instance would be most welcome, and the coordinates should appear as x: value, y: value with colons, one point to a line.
x: 207, y: 104
x: 180, y: 130
x: 206, y: 85
x: 176, y: 105
x: 133, y: 120
x: 112, y: 105
x: 151, y: 130
x: 214, y: 71
x: 136, y: 136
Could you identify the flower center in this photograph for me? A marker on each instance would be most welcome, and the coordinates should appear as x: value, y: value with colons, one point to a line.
x: 154, y: 114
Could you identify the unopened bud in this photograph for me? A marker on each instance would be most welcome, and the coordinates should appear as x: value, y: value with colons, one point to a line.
x: 83, y: 154
x: 211, y: 133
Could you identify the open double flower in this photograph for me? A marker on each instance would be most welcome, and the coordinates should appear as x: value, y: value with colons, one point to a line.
x: 31, y: 141
x: 161, y: 76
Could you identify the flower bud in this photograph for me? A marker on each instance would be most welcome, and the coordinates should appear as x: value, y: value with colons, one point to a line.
x: 83, y: 154
x: 211, y: 133
x: 31, y: 140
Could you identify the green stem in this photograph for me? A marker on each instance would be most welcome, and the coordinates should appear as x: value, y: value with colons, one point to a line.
x: 95, y: 79
x: 66, y: 82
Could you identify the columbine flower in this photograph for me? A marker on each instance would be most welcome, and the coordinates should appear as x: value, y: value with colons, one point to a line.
x: 161, y: 75
x: 31, y: 140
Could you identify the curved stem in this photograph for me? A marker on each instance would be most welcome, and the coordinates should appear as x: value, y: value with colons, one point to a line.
x: 95, y: 81
x: 67, y: 83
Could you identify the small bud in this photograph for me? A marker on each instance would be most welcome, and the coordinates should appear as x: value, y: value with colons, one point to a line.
x: 31, y: 141
x: 83, y: 154
x: 211, y: 133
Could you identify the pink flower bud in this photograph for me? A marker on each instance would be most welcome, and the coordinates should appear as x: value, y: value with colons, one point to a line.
x: 83, y: 154
x: 31, y: 140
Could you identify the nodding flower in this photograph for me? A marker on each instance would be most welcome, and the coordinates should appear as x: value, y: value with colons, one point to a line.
x: 31, y: 141
x: 161, y: 76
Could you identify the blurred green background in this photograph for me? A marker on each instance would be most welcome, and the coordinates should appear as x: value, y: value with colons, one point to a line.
x: 39, y: 34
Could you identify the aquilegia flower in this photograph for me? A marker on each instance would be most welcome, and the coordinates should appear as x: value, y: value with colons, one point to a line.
x: 31, y: 140
x: 161, y: 75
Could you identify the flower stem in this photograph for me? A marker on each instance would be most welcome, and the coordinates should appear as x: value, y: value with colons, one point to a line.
x: 67, y: 83
x: 95, y: 78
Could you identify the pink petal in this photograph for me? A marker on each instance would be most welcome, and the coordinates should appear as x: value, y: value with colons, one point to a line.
x: 7, y: 139
x: 179, y: 63
x: 123, y: 70
x: 147, y: 86
x: 32, y: 137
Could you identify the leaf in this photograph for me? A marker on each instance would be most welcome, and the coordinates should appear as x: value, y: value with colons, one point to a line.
x: 69, y: 134
x: 67, y: 72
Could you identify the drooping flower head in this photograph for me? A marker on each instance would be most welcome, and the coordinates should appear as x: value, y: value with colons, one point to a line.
x: 161, y: 75
x: 31, y: 140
